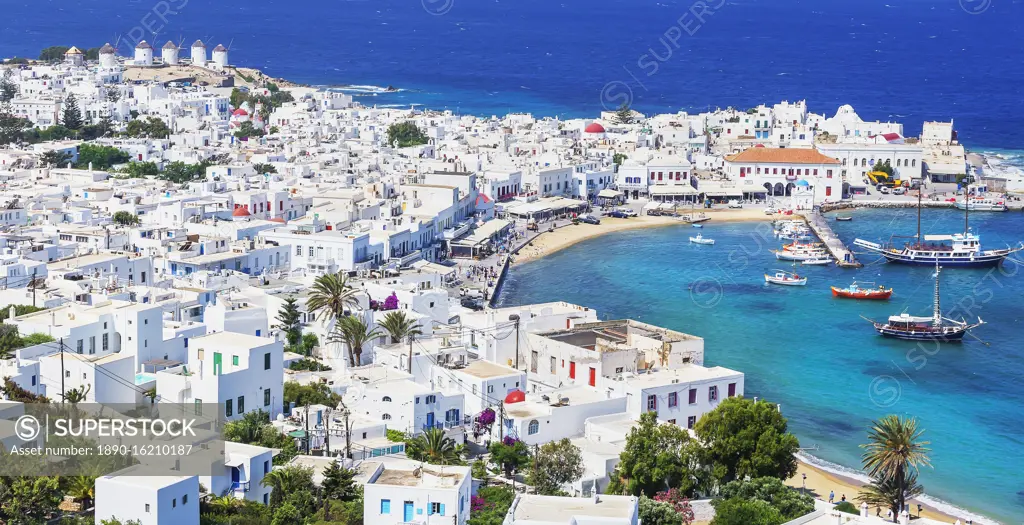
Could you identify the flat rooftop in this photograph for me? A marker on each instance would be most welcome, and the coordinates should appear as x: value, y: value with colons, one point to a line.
x: 555, y: 509
x: 485, y: 370
x: 427, y: 476
x: 686, y: 374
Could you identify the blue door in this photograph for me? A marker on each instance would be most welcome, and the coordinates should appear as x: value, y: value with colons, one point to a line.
x: 407, y: 516
x: 430, y: 420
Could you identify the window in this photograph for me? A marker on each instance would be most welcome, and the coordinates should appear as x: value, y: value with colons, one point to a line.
x: 266, y: 361
x: 184, y: 499
x: 691, y: 421
x: 266, y: 467
x: 310, y: 251
x: 298, y: 250
x: 673, y: 399
x: 490, y: 389
x: 198, y: 407
x: 174, y: 502
x: 386, y: 417
x: 92, y: 344
x: 430, y: 400
x: 385, y: 506
x: 147, y: 507
x: 241, y: 404
x: 672, y: 422
x: 227, y: 409
x: 106, y: 342
x: 732, y: 389
x: 534, y: 427
x: 266, y: 499
x: 386, y: 399
x: 234, y: 360
x: 436, y: 508
x: 652, y: 402
x: 266, y: 397
x: 81, y: 345
x: 713, y: 393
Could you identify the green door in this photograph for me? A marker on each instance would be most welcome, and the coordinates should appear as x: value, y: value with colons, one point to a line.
x: 217, y: 363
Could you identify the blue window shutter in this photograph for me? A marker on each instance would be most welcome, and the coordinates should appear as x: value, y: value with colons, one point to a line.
x: 442, y: 509
x: 385, y: 506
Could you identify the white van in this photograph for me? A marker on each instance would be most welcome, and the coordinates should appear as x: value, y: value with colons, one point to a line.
x: 735, y: 204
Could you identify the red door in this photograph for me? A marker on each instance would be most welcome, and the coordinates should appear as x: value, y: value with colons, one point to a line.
x: 572, y: 369
x: 593, y: 376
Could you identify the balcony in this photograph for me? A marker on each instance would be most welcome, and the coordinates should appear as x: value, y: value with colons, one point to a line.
x: 407, y: 259
x: 239, y: 486
x: 448, y: 425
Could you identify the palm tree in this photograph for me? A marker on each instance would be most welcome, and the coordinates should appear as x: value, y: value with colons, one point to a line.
x: 249, y: 429
x: 330, y: 296
x: 399, y: 326
x: 287, y: 480
x: 354, y: 333
x: 83, y: 489
x: 434, y: 447
x: 895, y: 450
x: 886, y: 492
x: 77, y: 395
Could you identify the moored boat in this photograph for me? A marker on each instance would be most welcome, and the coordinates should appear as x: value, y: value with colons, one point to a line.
x: 918, y: 328
x: 785, y: 278
x: 981, y: 204
x: 820, y: 261
x: 856, y: 292
x: 843, y: 218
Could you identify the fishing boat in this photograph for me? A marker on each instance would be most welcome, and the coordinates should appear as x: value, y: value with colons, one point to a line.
x: 957, y: 250
x: 844, y: 218
x: 981, y: 204
x: 698, y: 225
x: 699, y: 239
x: 820, y: 261
x: 799, y: 255
x: 785, y: 278
x: 934, y: 328
x: 854, y: 291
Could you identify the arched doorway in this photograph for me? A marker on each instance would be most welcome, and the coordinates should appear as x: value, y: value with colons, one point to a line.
x: 768, y: 188
x: 789, y: 189
x: 846, y: 190
x: 779, y: 189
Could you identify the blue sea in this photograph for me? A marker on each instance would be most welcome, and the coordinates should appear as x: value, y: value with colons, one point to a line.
x: 815, y: 355
x: 905, y: 60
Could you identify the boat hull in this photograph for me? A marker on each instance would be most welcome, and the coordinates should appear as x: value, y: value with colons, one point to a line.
x: 862, y: 295
x: 979, y: 261
x: 950, y: 336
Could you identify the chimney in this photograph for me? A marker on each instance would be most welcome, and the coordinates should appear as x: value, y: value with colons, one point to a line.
x: 11, y: 313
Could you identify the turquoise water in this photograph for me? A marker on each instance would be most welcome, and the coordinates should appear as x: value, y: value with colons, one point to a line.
x: 814, y: 354
x: 142, y: 378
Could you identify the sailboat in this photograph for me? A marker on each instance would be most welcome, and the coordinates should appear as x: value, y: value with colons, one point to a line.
x: 934, y: 328
x: 959, y: 249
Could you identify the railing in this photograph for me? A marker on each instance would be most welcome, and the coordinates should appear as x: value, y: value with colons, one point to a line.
x: 445, y: 425
x: 240, y: 485
x: 407, y: 259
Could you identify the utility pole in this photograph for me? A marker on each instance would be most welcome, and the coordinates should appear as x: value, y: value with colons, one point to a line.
x: 410, y: 353
x: 501, y: 420
x: 515, y: 318
x: 35, y: 271
x: 307, y: 428
x: 61, y: 369
x: 348, y: 432
x: 327, y: 434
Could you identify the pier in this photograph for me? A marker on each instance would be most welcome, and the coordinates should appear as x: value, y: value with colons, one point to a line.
x: 844, y: 257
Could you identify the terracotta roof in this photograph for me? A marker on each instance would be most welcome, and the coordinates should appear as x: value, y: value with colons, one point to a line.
x: 220, y: 48
x: 170, y: 45
x: 782, y: 156
x: 198, y: 43
x: 240, y: 212
x: 107, y: 49
x: 143, y: 45
x: 73, y: 51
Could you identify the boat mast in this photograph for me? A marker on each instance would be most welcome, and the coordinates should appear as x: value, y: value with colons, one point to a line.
x: 920, y: 190
x: 967, y: 206
x: 937, y: 313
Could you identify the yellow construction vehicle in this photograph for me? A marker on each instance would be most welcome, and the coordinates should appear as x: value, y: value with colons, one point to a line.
x: 881, y: 178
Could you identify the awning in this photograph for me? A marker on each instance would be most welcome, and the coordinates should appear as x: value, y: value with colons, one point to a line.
x: 484, y: 232
x: 673, y: 190
x: 609, y: 194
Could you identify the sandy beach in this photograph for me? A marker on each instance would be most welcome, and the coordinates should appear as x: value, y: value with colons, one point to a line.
x: 820, y: 482
x: 566, y: 236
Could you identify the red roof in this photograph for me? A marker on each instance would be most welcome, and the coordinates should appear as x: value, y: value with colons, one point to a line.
x: 891, y: 136
x: 594, y: 127
x: 515, y: 396
x: 240, y: 112
x: 278, y: 219
x: 240, y: 212
x: 482, y: 199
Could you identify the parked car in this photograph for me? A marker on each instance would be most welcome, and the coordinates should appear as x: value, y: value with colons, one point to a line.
x: 735, y: 204
x: 884, y: 190
x: 899, y: 191
x: 628, y: 211
x: 588, y: 219
x: 618, y: 214
x: 473, y: 304
x: 770, y: 211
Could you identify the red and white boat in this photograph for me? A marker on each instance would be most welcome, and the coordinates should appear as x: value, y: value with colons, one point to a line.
x: 856, y: 292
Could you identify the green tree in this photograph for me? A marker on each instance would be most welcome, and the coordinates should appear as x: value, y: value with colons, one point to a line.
x: 894, y: 451
x: 125, y: 218
x: 36, y: 339
x: 19, y: 310
x: 100, y: 157
x: 71, y: 117
x: 557, y: 463
x: 238, y: 98
x: 886, y: 492
x: 338, y: 484
x: 311, y: 394
x: 744, y: 438
x: 289, y: 319
x: 151, y: 127
x: 656, y: 457
x: 352, y: 331
x: 490, y: 505
x: 884, y: 167
x: 287, y: 480
x: 75, y: 396
x: 55, y: 158
x: 12, y: 127
x: 29, y: 499
x: 847, y: 507
x: 739, y: 511
x: 248, y: 129
x: 657, y: 513
x: 618, y: 158
x: 82, y: 488
x: 262, y: 167
x: 434, y: 447
x: 12, y: 392
x: 180, y: 172
x: 510, y: 455
x: 624, y: 115
x: 250, y: 428
x: 309, y: 342
x: 399, y: 326
x: 53, y: 53
x: 137, y: 169
x: 8, y: 89
x: 787, y: 500
x: 113, y: 94
x: 405, y: 134
x: 330, y: 296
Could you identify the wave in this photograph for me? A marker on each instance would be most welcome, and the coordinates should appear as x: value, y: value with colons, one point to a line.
x: 365, y: 89
x: 933, y: 502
